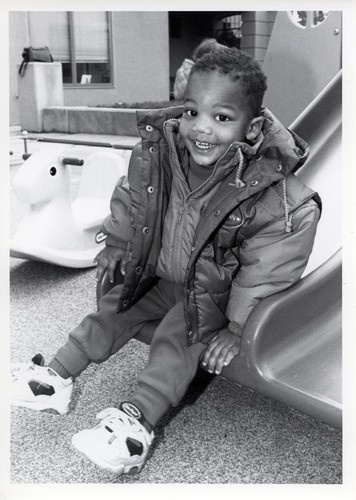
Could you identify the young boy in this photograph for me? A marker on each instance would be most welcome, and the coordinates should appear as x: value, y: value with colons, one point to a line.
x: 210, y: 220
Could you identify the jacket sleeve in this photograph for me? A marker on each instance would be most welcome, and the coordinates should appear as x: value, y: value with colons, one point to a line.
x: 117, y: 226
x: 271, y: 261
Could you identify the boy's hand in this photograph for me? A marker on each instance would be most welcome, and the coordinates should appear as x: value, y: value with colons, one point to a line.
x: 220, y: 351
x: 107, y: 260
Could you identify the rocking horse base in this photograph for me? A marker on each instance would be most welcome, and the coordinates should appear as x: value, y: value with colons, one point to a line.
x: 79, y: 259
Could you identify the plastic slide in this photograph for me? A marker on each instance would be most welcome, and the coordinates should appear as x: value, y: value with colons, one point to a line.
x: 291, y: 343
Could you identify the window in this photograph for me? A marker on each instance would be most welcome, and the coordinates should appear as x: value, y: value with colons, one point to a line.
x: 228, y: 31
x: 300, y: 17
x: 81, y: 41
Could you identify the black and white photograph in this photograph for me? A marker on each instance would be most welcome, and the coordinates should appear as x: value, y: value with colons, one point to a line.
x: 176, y: 266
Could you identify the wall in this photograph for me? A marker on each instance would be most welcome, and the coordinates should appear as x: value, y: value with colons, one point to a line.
x: 256, y: 32
x: 18, y: 40
x: 141, y: 62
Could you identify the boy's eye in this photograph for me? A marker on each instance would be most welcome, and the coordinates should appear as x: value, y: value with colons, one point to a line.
x: 222, y: 118
x: 190, y: 112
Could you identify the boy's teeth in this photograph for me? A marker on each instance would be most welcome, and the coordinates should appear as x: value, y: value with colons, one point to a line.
x: 204, y: 145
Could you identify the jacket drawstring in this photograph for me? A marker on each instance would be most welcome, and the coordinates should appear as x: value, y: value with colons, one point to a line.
x: 239, y: 170
x: 287, y: 216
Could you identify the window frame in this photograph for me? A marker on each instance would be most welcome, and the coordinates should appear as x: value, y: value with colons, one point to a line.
x: 73, y: 61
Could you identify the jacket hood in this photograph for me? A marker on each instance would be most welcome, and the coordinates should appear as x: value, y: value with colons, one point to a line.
x: 282, y: 144
x: 274, y: 142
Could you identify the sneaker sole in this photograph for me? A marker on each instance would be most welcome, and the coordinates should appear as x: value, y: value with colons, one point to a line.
x: 45, y: 407
x: 119, y: 469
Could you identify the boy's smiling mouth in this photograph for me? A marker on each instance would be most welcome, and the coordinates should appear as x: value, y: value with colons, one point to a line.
x: 204, y: 146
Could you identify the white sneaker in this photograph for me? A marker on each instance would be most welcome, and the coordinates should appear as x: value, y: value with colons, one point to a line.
x: 40, y: 388
x: 119, y: 443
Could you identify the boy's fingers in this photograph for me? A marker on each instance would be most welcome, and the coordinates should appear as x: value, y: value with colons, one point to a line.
x: 221, y: 357
x: 102, y: 265
x: 231, y: 354
x: 221, y: 360
x: 99, y: 272
x: 122, y: 267
x: 111, y: 270
x: 206, y: 354
x: 213, y: 357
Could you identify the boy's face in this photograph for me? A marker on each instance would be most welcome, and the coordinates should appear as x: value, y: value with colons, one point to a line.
x: 215, y: 114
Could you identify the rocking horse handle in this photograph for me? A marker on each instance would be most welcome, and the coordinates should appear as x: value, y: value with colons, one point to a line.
x: 71, y: 161
x: 64, y: 160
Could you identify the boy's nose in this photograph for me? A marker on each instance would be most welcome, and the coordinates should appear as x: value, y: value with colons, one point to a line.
x: 202, y: 125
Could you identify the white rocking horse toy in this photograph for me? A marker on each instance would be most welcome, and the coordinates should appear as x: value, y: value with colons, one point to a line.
x: 60, y: 228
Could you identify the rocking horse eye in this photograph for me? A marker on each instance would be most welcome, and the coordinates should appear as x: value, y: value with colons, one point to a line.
x: 53, y: 170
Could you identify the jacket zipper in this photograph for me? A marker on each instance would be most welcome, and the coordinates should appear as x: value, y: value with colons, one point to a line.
x: 181, y: 208
x: 181, y: 212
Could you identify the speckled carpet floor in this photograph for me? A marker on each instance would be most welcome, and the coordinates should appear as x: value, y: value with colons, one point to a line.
x: 227, y: 435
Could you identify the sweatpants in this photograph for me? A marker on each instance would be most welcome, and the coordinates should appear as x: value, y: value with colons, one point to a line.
x: 171, y: 365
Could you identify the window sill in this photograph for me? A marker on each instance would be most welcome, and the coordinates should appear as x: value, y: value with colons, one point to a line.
x: 89, y: 86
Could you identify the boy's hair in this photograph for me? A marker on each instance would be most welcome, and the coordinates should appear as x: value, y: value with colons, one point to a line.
x: 240, y: 67
x: 207, y: 45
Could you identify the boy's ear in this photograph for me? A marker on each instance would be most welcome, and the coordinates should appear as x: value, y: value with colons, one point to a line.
x: 254, y: 128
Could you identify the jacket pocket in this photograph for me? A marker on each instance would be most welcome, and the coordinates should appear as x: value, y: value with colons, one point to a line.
x: 227, y: 232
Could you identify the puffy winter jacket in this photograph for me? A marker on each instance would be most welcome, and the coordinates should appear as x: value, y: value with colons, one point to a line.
x: 254, y: 239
